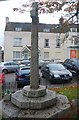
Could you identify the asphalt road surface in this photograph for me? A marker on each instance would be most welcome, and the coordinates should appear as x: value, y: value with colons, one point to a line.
x: 10, y: 78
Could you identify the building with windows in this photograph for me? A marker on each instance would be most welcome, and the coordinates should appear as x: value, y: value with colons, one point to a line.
x: 52, y: 44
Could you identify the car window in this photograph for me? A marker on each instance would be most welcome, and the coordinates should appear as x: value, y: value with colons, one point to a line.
x: 70, y: 62
x: 6, y: 64
x: 76, y: 62
x: 66, y: 61
x: 14, y: 63
x: 56, y: 67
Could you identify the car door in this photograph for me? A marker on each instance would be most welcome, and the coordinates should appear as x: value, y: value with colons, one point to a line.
x: 66, y: 63
x: 69, y: 65
x: 73, y: 67
x: 8, y: 66
x: 14, y: 66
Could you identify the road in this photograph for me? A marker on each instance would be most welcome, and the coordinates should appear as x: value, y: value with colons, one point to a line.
x: 49, y: 85
x: 10, y: 82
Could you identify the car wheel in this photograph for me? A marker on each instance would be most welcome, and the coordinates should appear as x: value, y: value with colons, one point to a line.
x: 5, y: 71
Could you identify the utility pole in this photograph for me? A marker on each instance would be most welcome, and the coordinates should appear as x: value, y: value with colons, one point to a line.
x: 34, y: 80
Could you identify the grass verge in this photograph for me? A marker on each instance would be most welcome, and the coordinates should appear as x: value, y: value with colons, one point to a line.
x: 72, y: 92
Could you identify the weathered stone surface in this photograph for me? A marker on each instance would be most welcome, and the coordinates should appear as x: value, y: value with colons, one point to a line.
x: 25, y: 102
x: 41, y: 91
x: 61, y: 107
x: 9, y: 110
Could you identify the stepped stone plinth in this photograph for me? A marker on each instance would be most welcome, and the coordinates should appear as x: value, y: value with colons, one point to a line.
x: 49, y: 105
x: 41, y: 91
x: 21, y: 100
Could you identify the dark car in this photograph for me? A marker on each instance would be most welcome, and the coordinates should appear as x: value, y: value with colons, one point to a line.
x: 23, y: 76
x: 56, y: 73
x: 73, y: 66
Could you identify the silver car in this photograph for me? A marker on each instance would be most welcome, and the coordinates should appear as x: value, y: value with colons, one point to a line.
x: 9, y: 66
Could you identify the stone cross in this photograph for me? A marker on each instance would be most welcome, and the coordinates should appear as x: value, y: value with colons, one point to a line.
x: 34, y: 80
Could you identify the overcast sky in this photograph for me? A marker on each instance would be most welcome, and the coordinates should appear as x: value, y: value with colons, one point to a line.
x: 6, y: 10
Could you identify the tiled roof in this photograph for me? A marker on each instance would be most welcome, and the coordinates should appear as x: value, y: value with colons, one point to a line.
x: 54, y: 28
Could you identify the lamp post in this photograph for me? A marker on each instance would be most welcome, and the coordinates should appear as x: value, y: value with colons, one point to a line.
x: 34, y: 81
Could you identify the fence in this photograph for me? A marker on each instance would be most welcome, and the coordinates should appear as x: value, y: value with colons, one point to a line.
x: 10, y: 86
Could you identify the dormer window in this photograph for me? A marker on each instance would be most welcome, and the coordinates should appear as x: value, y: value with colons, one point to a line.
x: 18, y: 29
x: 46, y: 30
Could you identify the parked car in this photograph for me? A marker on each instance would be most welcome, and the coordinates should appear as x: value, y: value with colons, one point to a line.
x: 2, y: 77
x: 41, y: 62
x: 56, y: 73
x: 22, y: 65
x: 25, y: 62
x: 22, y: 76
x: 8, y: 66
x: 73, y: 66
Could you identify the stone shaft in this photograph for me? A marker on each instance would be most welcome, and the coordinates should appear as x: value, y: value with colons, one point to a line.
x: 34, y: 81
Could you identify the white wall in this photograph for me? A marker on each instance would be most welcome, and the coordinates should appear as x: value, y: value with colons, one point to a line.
x: 54, y: 53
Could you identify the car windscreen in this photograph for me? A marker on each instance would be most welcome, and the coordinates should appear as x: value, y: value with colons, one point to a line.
x: 25, y: 61
x: 25, y: 71
x: 54, y: 67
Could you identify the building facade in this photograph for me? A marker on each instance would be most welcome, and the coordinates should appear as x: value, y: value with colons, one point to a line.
x: 52, y: 44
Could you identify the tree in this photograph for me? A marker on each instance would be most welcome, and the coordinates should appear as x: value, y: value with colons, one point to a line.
x: 49, y: 6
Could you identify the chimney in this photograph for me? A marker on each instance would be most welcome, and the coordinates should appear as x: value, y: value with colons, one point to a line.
x: 7, y: 20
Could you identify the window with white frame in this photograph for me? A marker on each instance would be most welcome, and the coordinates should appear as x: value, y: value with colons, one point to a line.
x: 46, y: 55
x: 17, y: 42
x: 17, y: 54
x: 46, y: 43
